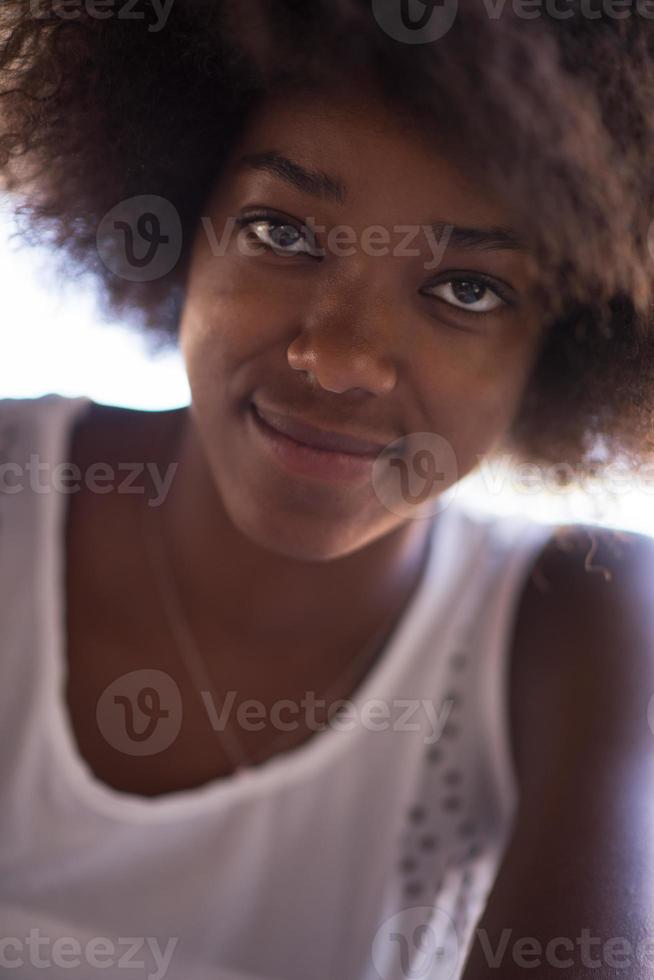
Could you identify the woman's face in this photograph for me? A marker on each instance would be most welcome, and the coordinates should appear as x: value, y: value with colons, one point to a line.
x: 367, y: 322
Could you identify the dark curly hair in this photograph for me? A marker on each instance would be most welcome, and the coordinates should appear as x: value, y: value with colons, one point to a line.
x: 558, y: 110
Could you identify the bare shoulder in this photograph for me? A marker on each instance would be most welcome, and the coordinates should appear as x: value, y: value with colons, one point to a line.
x: 585, y: 619
x: 114, y: 431
x: 581, y: 851
x: 127, y: 443
x: 116, y: 450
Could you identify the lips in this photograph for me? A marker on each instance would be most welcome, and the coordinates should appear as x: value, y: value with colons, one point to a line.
x: 318, y: 438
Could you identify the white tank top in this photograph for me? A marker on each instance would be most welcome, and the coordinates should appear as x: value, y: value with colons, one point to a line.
x: 366, y: 852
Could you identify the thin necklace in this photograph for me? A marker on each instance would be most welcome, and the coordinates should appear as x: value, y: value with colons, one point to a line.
x: 152, y: 533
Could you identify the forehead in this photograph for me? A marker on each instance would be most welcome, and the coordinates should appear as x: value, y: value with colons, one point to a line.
x: 379, y: 157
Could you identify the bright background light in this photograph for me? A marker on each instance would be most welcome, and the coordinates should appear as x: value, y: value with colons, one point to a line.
x: 53, y: 341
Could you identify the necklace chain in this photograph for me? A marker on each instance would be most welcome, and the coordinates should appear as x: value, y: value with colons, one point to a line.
x: 194, y: 662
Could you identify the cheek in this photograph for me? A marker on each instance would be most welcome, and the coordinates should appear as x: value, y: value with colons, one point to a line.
x: 470, y: 391
x: 228, y: 322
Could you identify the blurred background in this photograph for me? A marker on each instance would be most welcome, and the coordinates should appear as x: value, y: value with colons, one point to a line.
x: 53, y: 341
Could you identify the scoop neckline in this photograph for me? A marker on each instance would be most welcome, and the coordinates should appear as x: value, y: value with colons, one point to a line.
x: 289, y: 766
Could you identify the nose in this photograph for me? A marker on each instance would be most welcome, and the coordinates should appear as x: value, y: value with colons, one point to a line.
x: 346, y: 339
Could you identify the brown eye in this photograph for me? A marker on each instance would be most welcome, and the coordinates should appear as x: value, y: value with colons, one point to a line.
x: 471, y: 295
x: 282, y: 237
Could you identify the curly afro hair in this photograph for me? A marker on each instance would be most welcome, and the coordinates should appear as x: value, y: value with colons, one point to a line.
x: 100, y: 104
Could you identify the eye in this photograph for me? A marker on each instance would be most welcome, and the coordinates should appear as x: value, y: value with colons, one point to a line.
x: 474, y: 295
x: 280, y: 235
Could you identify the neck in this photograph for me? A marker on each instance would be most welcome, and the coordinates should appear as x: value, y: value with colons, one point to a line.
x: 257, y: 593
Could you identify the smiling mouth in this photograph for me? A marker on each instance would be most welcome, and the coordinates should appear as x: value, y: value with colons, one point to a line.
x: 301, y: 459
x: 318, y: 439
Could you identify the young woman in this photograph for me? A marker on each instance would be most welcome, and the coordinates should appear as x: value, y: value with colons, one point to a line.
x: 273, y: 703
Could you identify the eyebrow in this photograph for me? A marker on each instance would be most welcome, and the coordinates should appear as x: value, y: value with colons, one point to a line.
x: 314, y: 182
x: 322, y: 185
x: 478, y: 239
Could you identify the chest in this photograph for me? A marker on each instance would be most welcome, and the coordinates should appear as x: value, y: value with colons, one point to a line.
x: 141, y: 718
x: 144, y: 717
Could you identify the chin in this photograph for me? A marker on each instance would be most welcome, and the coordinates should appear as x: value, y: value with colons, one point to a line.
x: 302, y: 536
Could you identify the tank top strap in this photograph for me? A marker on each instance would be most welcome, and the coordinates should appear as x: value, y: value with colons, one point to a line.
x: 459, y: 791
x: 33, y: 449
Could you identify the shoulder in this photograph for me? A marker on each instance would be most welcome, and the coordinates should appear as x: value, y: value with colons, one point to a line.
x: 116, y: 448
x: 582, y: 687
x: 592, y: 553
x: 119, y: 436
x: 116, y: 453
x: 83, y: 430
x: 111, y: 429
x: 584, y: 633
x: 89, y: 423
